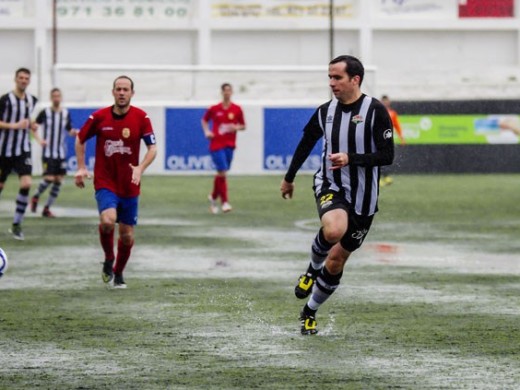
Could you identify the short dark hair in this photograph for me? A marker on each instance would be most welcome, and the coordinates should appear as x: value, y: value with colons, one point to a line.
x: 123, y: 77
x: 22, y: 70
x: 225, y: 85
x: 55, y: 89
x: 385, y: 97
x: 353, y: 66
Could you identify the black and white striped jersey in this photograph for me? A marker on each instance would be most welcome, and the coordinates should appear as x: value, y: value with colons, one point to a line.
x: 15, y: 142
x: 56, y: 125
x: 364, y: 131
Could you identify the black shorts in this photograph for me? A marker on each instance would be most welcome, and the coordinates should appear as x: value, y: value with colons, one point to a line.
x: 358, y: 226
x: 54, y: 166
x: 20, y: 164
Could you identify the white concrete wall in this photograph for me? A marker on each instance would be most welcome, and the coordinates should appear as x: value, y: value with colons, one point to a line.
x: 418, y: 54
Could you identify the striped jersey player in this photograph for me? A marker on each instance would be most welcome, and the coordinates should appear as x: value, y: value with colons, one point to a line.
x: 16, y: 108
x: 56, y: 123
x: 358, y: 140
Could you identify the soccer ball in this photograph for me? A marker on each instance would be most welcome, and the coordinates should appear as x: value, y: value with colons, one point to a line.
x: 3, y: 262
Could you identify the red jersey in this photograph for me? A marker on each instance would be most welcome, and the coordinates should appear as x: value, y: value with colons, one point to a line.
x: 222, y: 118
x: 118, y: 141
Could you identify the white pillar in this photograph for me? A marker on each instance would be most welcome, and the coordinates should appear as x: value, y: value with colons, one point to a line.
x: 42, y: 49
x: 204, y: 33
x: 365, y: 32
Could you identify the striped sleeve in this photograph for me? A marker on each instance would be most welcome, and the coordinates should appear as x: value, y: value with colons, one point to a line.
x: 382, y: 135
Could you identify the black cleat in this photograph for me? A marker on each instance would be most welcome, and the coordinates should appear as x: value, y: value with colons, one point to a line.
x: 308, y: 324
x: 304, y: 287
x: 17, y: 232
x: 34, y: 204
x: 107, y: 274
x: 119, y: 282
x: 47, y: 213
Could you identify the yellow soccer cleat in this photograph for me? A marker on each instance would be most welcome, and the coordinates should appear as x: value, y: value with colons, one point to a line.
x: 308, y: 324
x: 304, y: 287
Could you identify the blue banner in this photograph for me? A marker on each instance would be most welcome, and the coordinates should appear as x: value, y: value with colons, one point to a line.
x: 283, y: 129
x: 186, y: 147
x: 78, y: 118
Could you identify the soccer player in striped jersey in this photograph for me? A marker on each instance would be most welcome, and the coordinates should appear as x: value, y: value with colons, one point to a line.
x: 119, y: 130
x: 56, y: 123
x: 227, y: 118
x: 358, y: 139
x: 16, y: 108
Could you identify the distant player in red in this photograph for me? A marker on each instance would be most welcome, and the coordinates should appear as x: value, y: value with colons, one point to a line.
x: 227, y: 118
x: 117, y: 172
x: 386, y: 179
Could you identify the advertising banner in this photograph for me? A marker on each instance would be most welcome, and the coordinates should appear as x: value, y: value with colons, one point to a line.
x: 430, y: 9
x: 460, y: 129
x: 486, y: 8
x: 78, y: 117
x: 281, y: 9
x: 186, y: 146
x: 283, y: 129
x: 125, y: 9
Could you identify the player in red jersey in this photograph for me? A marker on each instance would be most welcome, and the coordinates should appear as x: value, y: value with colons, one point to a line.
x: 117, y: 172
x: 227, y: 118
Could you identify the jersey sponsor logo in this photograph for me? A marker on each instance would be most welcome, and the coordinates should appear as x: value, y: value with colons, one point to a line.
x: 225, y: 128
x: 387, y: 134
x: 330, y: 119
x: 113, y: 147
x: 126, y: 132
x: 357, y: 119
x: 106, y: 128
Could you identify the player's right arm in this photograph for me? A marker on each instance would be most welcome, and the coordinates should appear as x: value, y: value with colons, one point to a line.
x: 205, y: 124
x: 82, y: 171
x: 86, y: 132
x: 311, y: 134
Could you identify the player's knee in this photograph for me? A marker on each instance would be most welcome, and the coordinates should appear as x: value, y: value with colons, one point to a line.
x: 333, y: 233
x: 107, y: 225
x: 127, y: 238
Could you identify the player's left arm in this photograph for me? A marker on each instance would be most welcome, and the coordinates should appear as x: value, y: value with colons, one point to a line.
x: 36, y: 135
x: 383, y: 136
x: 68, y: 126
x: 151, y: 152
x: 240, y: 124
x: 40, y: 119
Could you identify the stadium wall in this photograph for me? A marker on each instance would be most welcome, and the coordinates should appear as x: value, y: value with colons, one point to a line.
x: 273, y: 131
x: 422, y: 49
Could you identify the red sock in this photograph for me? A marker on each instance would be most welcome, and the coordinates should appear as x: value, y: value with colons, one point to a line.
x: 223, y: 189
x: 216, y: 188
x: 107, y: 243
x: 123, y: 254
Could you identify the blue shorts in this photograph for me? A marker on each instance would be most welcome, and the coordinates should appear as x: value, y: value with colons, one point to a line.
x: 126, y: 208
x: 222, y: 158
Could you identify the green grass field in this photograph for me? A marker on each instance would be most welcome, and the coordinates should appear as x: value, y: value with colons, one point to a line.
x: 432, y: 300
